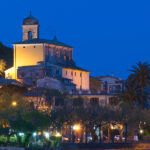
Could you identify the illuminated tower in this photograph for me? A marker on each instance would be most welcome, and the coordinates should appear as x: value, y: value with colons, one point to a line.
x: 30, y: 28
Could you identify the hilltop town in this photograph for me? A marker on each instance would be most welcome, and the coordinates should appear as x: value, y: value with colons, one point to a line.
x: 47, y: 100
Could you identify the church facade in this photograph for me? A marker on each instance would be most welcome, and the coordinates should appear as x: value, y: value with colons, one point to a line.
x: 39, y: 62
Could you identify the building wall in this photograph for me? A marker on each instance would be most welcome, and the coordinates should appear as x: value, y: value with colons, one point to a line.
x: 50, y: 83
x: 111, y: 84
x: 109, y: 79
x: 10, y: 73
x: 80, y: 78
x: 30, y: 28
x: 58, y: 54
x: 39, y: 103
x: 30, y: 74
x: 27, y: 55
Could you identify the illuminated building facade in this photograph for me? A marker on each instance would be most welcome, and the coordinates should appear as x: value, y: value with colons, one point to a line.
x: 35, y: 59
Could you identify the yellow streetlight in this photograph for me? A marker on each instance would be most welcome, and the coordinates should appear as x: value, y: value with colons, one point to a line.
x: 58, y: 134
x: 141, y: 131
x: 112, y: 127
x: 14, y: 103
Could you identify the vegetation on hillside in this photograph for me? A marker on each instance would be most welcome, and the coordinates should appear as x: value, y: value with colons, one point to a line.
x: 6, y: 54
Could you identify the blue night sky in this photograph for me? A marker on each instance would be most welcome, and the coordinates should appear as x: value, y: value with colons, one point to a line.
x: 108, y: 36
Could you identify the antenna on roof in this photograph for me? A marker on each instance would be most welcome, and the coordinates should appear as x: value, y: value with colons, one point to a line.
x: 55, y: 38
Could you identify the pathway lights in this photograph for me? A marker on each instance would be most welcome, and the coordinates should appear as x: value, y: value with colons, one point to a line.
x: 34, y: 134
x: 46, y: 134
x: 21, y: 134
x: 58, y: 134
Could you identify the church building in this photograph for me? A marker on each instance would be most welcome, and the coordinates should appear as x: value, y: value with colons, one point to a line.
x: 45, y: 63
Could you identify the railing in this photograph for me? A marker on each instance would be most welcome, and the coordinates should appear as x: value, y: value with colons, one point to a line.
x: 90, y: 93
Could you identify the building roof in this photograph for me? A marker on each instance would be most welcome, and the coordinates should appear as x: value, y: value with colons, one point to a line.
x: 31, y: 93
x: 30, y: 20
x: 7, y: 81
x: 71, y: 67
x: 101, y: 77
x: 75, y: 68
x: 39, y: 41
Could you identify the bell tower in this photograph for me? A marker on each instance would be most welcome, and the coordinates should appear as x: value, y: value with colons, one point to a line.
x: 30, y: 28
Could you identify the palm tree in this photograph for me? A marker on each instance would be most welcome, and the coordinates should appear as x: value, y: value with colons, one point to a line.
x: 140, y: 79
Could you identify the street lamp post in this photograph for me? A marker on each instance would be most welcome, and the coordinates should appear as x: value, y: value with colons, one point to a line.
x: 112, y: 128
x: 76, y: 127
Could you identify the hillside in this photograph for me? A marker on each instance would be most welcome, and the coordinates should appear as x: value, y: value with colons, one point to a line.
x: 6, y: 53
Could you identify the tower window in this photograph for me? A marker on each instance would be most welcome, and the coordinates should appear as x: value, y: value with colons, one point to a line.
x: 80, y: 74
x: 29, y: 35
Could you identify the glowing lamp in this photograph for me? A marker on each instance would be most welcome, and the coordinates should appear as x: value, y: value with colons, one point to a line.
x: 14, y: 103
x: 46, y: 134
x: 141, y: 131
x: 39, y: 133
x: 76, y: 127
x: 34, y: 134
x: 58, y: 134
x: 112, y: 127
x: 21, y: 134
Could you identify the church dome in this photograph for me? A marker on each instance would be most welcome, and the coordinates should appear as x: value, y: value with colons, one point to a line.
x: 30, y: 21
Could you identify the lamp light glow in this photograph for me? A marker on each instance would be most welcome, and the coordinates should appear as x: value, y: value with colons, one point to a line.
x: 58, y: 134
x: 76, y: 127
x: 46, y: 134
x: 141, y: 131
x: 21, y: 134
x: 14, y: 103
x: 34, y: 134
x: 112, y: 127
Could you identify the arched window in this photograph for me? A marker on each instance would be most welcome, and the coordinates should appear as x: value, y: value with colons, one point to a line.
x: 29, y: 35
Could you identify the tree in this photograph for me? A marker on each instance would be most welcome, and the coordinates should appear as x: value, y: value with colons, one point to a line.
x: 94, y: 84
x: 138, y: 81
x: 2, y: 67
x: 6, y: 54
x: 29, y: 122
x: 19, y: 115
x: 13, y: 89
